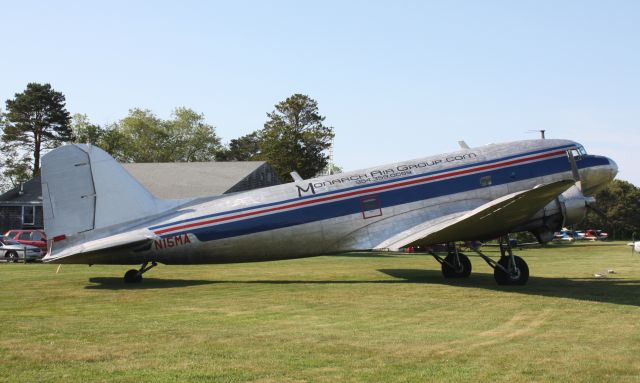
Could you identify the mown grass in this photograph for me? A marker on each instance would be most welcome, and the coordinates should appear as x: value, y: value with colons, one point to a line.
x: 353, y: 318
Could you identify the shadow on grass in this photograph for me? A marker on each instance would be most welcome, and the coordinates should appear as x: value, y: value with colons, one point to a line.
x: 113, y: 283
x: 617, y: 291
x: 369, y: 254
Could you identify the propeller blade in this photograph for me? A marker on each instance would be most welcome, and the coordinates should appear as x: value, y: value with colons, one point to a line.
x: 598, y: 211
x: 574, y: 170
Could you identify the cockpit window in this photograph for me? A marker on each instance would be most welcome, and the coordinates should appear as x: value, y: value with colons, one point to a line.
x: 578, y: 152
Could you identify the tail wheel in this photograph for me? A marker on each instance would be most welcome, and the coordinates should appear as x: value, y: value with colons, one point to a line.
x: 132, y: 276
x: 517, y: 274
x: 453, y: 269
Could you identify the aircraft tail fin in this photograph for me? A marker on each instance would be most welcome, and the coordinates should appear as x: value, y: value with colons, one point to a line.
x: 84, y: 189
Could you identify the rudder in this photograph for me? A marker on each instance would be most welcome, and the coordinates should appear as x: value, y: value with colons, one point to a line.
x: 85, y: 189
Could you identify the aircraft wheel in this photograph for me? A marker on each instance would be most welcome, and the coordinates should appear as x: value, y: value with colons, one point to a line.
x: 132, y: 276
x: 517, y: 277
x: 451, y: 272
x: 11, y: 256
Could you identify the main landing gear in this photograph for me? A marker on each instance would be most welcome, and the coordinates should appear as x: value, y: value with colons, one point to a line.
x: 455, y: 264
x: 135, y: 276
x: 510, y: 269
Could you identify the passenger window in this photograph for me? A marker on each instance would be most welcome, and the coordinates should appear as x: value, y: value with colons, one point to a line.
x: 485, y: 181
x: 24, y: 236
x: 36, y: 236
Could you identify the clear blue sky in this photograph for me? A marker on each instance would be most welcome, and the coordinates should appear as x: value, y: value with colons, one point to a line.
x: 396, y: 79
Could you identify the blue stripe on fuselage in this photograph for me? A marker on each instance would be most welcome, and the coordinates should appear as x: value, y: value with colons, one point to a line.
x: 368, y: 185
x: 392, y: 197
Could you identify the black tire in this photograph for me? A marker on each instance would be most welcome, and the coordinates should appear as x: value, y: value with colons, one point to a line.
x: 132, y: 276
x: 451, y: 272
x: 11, y: 256
x: 520, y: 277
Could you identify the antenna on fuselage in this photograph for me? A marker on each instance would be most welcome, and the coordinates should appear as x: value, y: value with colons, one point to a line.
x: 541, y: 131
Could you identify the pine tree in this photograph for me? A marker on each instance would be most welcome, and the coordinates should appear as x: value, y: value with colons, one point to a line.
x: 35, y: 121
x: 295, y: 138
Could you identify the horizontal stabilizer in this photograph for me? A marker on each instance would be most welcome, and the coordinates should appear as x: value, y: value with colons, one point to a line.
x: 115, y: 249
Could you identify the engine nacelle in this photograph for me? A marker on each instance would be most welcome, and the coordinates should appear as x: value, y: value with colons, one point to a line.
x: 568, y: 208
x: 573, y: 205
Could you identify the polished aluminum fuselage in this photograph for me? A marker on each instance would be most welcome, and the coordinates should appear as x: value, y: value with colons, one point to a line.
x: 97, y: 213
x: 357, y: 210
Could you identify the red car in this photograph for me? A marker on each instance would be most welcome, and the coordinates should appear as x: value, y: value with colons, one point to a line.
x: 29, y: 237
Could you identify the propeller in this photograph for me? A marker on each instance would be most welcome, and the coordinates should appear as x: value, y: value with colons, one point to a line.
x: 589, y: 202
x: 574, y: 170
x: 598, y: 211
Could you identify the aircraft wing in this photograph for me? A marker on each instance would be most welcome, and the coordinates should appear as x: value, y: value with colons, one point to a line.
x: 490, y: 220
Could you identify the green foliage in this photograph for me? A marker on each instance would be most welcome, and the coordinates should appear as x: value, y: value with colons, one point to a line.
x: 295, y: 138
x: 35, y: 120
x: 84, y: 132
x: 620, y: 201
x: 245, y: 148
x: 143, y: 137
x: 191, y: 138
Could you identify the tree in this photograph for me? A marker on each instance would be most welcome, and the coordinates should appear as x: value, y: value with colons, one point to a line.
x: 245, y: 148
x: 84, y: 132
x: 620, y: 202
x: 36, y: 120
x: 294, y: 137
x: 143, y: 137
x: 191, y: 138
x: 114, y: 142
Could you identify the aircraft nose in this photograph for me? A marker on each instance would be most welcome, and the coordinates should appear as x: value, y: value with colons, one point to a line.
x: 613, y: 167
x: 594, y: 179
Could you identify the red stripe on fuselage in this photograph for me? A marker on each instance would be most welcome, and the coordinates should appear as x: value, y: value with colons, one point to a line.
x: 361, y: 191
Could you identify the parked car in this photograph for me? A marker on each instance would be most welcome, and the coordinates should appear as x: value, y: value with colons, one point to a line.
x: 11, y: 250
x: 29, y: 237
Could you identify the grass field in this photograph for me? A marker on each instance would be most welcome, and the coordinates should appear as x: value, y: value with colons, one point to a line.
x: 353, y: 318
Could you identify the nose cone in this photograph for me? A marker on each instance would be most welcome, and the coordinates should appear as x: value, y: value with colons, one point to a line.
x: 613, y: 168
x: 596, y: 178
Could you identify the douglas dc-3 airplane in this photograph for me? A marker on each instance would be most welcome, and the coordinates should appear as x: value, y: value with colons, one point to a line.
x: 95, y: 212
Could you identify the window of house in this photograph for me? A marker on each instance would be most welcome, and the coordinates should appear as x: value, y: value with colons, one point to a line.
x: 28, y: 215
